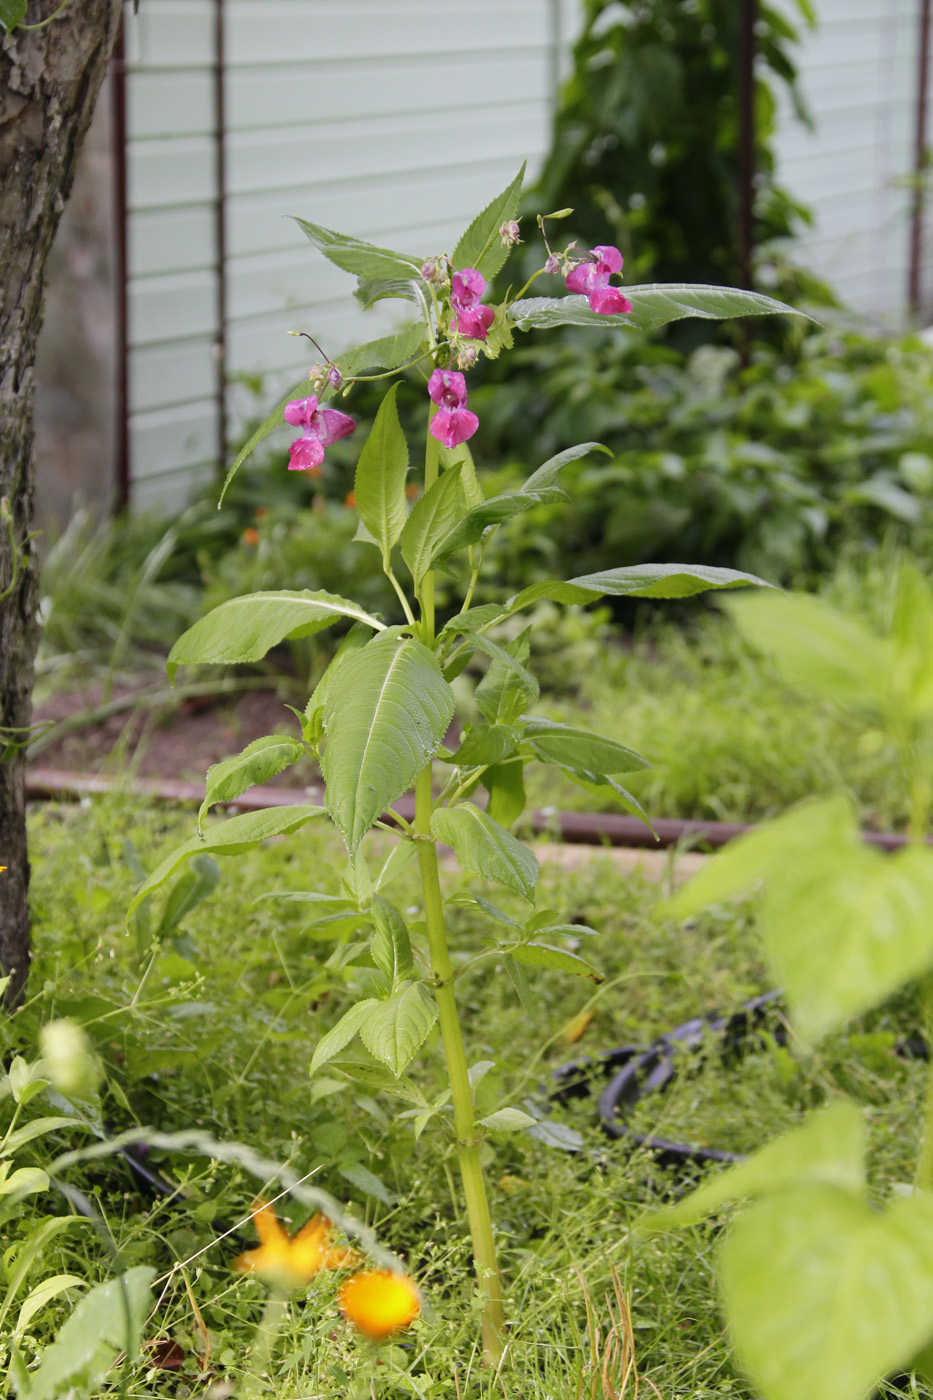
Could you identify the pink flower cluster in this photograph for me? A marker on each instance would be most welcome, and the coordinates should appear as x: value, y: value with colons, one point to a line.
x: 453, y: 423
x: 321, y: 427
x: 592, y: 279
x: 470, y: 319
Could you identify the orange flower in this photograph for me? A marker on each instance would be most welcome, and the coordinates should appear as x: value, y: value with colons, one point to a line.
x: 261, y: 512
x: 350, y: 500
x: 291, y: 1261
x: 250, y: 535
x: 412, y: 490
x: 378, y: 1303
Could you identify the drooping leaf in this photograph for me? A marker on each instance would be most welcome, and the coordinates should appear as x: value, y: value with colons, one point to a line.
x: 485, y: 848
x: 653, y: 306
x: 480, y: 246
x: 257, y: 763
x: 485, y: 743
x: 244, y: 629
x: 339, y: 1036
x: 825, y: 1294
x: 387, y: 352
x: 396, y: 1028
x: 366, y: 1181
x: 577, y: 748
x: 506, y: 787
x: 548, y: 472
x: 197, y: 884
x: 638, y: 581
x: 369, y: 290
x: 601, y: 785
x: 829, y: 1148
x: 229, y: 838
x: 844, y: 925
x: 543, y: 955
x: 471, y: 528
x: 385, y: 718
x: 379, y: 484
x: 390, y: 945
x: 107, y: 1320
x: 432, y: 518
x: 362, y: 259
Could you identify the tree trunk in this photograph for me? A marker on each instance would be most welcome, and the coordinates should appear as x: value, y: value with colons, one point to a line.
x: 49, y: 81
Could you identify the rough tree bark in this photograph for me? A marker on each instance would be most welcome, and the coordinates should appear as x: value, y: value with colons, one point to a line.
x: 49, y: 81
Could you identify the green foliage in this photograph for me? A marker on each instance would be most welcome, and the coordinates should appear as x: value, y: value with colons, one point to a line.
x: 652, y: 307
x: 480, y: 246
x: 379, y: 485
x: 258, y: 762
x: 485, y: 848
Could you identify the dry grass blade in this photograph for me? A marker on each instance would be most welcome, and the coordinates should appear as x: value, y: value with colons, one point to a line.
x: 609, y: 1372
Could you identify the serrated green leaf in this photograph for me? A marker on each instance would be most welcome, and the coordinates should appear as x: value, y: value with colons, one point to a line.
x: 475, y: 901
x: 385, y: 718
x: 828, y: 1147
x: 506, y: 787
x: 462, y: 457
x: 548, y: 472
x: 369, y: 290
x: 506, y: 689
x: 108, y: 1320
x: 653, y: 306
x: 519, y: 979
x: 485, y: 848
x: 507, y: 1120
x: 387, y: 352
x: 486, y: 743
x: 257, y: 763
x: 390, y: 946
x: 244, y: 629
x: 366, y: 1181
x: 638, y: 581
x: 396, y: 1028
x: 567, y: 746
x: 340, y: 1035
x: 601, y: 785
x: 480, y: 246
x: 397, y: 861
x: 543, y: 955
x: 229, y: 838
x: 844, y: 925
x: 432, y: 518
x: 362, y: 259
x: 379, y: 484
x: 497, y: 509
x: 825, y: 1294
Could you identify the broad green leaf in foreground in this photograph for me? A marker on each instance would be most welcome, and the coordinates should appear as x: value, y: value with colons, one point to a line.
x: 481, y: 247
x: 828, y: 1148
x: 379, y: 484
x: 387, y: 352
x: 107, y: 1321
x: 362, y: 259
x: 578, y: 748
x: 825, y: 1294
x: 384, y: 718
x: 229, y: 838
x: 485, y: 848
x: 396, y: 1028
x: 244, y: 629
x: 844, y: 924
x: 432, y: 518
x: 653, y: 306
x: 257, y: 763
x: 638, y: 581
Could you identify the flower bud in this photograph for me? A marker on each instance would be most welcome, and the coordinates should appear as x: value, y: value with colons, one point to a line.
x: 317, y: 375
x: 67, y: 1058
x: 553, y: 264
x: 434, y: 271
x: 508, y: 232
x: 334, y: 377
x: 558, y: 214
x: 467, y: 357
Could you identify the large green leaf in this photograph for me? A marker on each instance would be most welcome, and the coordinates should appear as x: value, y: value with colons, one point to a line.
x: 244, y: 629
x: 577, y: 748
x: 653, y: 306
x: 829, y: 1148
x: 845, y: 925
x: 387, y: 352
x: 385, y: 717
x: 390, y: 945
x: 544, y: 955
x: 379, y: 485
x: 825, y: 1294
x: 636, y: 581
x: 229, y: 838
x: 548, y: 472
x: 485, y: 848
x: 108, y: 1320
x: 362, y: 259
x: 257, y: 763
x: 339, y: 1036
x: 431, y: 520
x: 505, y: 783
x: 474, y: 524
x: 396, y: 1028
x: 480, y: 246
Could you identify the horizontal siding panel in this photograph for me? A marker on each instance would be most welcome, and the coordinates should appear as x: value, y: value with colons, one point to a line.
x: 175, y: 33
x: 172, y: 306
x: 170, y: 491
x: 174, y: 172
x: 261, y: 344
x: 171, y: 240
x: 167, y: 439
x: 262, y: 31
x: 159, y: 105
x: 169, y: 374
x: 271, y: 96
x: 278, y: 160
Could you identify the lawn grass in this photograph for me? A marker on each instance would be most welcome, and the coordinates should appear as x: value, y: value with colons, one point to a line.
x: 215, y: 1031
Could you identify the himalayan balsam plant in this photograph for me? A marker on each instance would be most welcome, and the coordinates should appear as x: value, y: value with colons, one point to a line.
x: 381, y: 714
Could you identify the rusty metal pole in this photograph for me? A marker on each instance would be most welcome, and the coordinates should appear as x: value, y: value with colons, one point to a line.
x: 220, y: 231
x: 118, y: 136
x: 921, y: 167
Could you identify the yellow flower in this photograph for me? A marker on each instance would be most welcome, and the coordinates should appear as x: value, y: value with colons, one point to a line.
x: 291, y: 1261
x: 379, y: 1303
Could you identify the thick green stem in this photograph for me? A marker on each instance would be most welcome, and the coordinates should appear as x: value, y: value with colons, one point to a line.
x: 465, y: 1128
x: 432, y: 459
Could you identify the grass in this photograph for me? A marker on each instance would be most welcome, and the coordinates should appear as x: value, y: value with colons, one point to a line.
x: 215, y: 1030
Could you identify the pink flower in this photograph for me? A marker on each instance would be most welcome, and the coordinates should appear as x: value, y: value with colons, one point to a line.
x: 470, y: 318
x: 454, y: 423
x: 322, y: 426
x: 592, y: 279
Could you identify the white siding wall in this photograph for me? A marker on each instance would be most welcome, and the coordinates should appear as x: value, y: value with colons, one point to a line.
x: 859, y: 74
x: 394, y: 120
